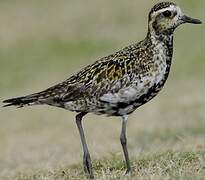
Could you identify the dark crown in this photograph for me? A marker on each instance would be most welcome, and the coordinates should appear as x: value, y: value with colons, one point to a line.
x: 159, y: 6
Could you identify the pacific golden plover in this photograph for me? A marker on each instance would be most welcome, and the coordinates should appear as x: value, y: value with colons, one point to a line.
x: 118, y: 84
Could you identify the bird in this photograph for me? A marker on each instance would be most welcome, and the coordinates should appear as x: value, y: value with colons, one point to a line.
x: 117, y: 84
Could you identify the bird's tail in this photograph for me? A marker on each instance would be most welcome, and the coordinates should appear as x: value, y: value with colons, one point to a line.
x: 29, y: 100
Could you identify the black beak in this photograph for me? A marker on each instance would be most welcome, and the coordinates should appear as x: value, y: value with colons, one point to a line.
x: 187, y: 19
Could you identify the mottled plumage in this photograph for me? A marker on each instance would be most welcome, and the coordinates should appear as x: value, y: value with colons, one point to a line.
x: 114, y: 85
x: 118, y: 84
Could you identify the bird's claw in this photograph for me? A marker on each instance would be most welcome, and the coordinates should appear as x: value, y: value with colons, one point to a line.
x: 88, y: 165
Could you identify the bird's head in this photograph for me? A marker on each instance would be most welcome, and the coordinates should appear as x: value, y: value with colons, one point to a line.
x: 167, y: 16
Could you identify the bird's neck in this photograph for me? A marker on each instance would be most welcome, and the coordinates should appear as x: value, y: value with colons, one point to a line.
x: 162, y: 44
x: 165, y: 39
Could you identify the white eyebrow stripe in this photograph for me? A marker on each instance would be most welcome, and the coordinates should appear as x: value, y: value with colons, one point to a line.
x: 171, y: 8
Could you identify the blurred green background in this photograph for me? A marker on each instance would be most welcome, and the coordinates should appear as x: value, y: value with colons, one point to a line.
x: 44, y: 42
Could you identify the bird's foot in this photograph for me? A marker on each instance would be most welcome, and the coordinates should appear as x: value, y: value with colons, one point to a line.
x: 127, y: 174
x: 88, y: 166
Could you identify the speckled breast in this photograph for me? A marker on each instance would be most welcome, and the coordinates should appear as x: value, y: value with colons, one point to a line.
x: 160, y: 79
x: 125, y: 108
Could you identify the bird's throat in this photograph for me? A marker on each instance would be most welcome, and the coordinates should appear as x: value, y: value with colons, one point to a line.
x: 165, y: 39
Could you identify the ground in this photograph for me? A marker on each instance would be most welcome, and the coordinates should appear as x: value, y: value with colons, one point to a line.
x: 44, y: 42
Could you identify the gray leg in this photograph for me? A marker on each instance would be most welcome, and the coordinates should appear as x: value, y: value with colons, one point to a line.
x: 123, y: 141
x: 86, y: 155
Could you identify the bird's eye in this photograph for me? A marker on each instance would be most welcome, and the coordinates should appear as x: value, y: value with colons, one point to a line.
x: 167, y: 13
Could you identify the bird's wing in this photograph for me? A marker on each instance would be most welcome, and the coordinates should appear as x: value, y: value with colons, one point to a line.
x: 104, y: 77
x: 102, y: 80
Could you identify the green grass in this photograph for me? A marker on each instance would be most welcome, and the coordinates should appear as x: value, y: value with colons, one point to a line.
x: 44, y: 42
x: 165, y: 165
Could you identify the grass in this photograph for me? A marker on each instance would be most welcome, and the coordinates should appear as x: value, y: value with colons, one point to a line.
x: 44, y: 42
x: 164, y: 165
